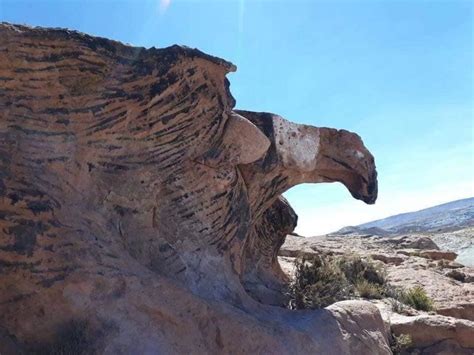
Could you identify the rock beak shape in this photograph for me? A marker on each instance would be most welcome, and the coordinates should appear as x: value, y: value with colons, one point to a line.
x: 342, y: 157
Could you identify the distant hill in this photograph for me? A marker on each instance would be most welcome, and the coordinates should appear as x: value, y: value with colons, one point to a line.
x: 446, y: 217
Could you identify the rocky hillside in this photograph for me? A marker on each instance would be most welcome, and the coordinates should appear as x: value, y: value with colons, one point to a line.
x: 460, y: 241
x: 446, y: 217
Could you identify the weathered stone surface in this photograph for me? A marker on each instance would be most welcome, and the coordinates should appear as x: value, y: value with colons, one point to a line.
x: 388, y: 259
x: 428, y: 331
x: 134, y: 204
x: 438, y: 255
x: 355, y: 315
x: 430, y: 334
x: 263, y: 277
x: 411, y: 242
x: 459, y: 310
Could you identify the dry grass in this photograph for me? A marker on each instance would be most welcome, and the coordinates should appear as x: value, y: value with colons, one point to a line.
x: 323, y: 280
x: 368, y: 289
x: 400, y: 343
x: 417, y: 298
x: 318, y: 283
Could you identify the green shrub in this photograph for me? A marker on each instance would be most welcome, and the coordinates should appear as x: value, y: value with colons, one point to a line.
x: 417, y: 298
x: 368, y: 289
x: 395, y: 296
x: 318, y: 283
x: 323, y: 280
x: 356, y: 269
x: 400, y: 343
x: 398, y: 307
x: 368, y: 279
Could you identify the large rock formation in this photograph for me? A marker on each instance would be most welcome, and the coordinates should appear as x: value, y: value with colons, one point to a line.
x: 141, y: 213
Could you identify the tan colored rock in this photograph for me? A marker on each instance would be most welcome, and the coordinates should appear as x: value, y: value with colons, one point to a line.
x: 132, y: 197
x: 263, y: 277
x: 429, y: 330
x: 414, y: 241
x: 461, y: 310
x: 453, y: 265
x: 408, y: 252
x: 354, y: 315
x: 388, y: 259
x: 446, y: 347
x: 438, y: 255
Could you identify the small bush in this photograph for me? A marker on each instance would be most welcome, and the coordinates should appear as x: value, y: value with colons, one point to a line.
x: 368, y: 289
x: 398, y: 307
x: 318, y: 283
x: 400, y: 343
x: 356, y: 269
x: 323, y: 280
x: 368, y: 279
x: 417, y: 298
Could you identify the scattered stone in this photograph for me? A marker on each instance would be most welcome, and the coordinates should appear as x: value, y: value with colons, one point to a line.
x: 438, y: 255
x: 408, y: 252
x: 388, y: 259
x: 411, y: 242
x: 457, y: 275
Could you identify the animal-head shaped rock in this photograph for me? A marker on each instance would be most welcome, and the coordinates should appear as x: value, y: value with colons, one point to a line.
x: 342, y: 157
x: 306, y: 154
x: 297, y: 154
x: 141, y: 150
x: 132, y: 195
x: 327, y: 155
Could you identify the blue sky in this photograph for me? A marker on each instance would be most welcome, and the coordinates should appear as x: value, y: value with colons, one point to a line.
x: 399, y: 73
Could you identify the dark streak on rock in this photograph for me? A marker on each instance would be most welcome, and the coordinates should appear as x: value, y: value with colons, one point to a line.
x: 25, y: 234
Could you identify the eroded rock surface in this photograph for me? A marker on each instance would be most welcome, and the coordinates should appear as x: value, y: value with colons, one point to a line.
x: 436, y: 334
x: 141, y: 213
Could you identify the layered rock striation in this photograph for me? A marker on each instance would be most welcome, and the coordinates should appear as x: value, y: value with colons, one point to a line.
x: 140, y: 212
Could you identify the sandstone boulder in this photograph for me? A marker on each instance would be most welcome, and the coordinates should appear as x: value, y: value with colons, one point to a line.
x: 141, y: 213
x: 411, y: 242
x: 433, y: 334
x: 459, y: 310
x: 388, y: 259
x: 438, y: 255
